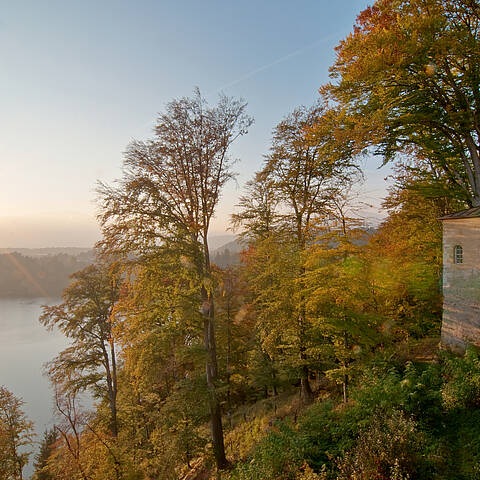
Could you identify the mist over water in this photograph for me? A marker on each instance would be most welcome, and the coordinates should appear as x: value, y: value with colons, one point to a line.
x: 25, y: 346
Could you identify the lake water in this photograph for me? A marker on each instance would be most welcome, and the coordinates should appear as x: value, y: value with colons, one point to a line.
x: 25, y: 346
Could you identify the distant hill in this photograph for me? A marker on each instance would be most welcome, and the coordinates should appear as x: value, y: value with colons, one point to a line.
x: 45, y: 272
x: 41, y: 252
x: 228, y: 254
x: 218, y: 241
x: 42, y: 272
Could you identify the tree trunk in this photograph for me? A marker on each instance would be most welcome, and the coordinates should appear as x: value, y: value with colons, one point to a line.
x: 345, y: 388
x: 208, y: 312
x: 113, y: 405
x: 211, y: 374
x: 229, y: 352
x: 305, y: 389
x: 306, y: 392
x: 274, y: 380
x: 111, y: 378
x: 345, y: 365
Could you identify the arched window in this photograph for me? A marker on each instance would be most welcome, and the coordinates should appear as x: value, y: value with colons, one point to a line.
x: 458, y: 254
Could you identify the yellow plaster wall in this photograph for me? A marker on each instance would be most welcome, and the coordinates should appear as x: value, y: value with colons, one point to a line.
x: 461, y: 284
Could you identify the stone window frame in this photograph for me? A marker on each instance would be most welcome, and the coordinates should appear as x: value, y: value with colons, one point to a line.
x: 458, y: 254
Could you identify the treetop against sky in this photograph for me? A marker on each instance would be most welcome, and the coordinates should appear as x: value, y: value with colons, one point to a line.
x: 81, y: 80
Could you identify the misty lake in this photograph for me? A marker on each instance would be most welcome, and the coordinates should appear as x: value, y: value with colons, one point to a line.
x: 25, y: 346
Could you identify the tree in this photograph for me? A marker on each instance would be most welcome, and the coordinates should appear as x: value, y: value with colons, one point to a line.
x: 406, y: 251
x: 303, y: 173
x: 47, y: 446
x: 16, y: 433
x: 270, y: 270
x: 87, y: 317
x: 407, y: 80
x: 306, y: 170
x: 257, y: 217
x: 235, y: 330
x: 341, y: 297
x: 307, y: 178
x: 68, y: 458
x: 163, y: 398
x: 168, y: 195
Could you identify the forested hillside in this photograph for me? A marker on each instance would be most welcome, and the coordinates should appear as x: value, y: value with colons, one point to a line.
x: 38, y: 275
x: 315, y: 353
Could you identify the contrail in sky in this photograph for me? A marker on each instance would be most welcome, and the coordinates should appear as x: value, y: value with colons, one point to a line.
x: 290, y: 55
x: 254, y: 72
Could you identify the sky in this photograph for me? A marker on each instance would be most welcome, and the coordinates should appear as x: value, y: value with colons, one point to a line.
x: 80, y: 80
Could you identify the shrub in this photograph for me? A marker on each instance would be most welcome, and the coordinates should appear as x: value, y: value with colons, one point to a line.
x: 278, y: 456
x: 388, y: 448
x: 462, y: 385
x: 307, y: 473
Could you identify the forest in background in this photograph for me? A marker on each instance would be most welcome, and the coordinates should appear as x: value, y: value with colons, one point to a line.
x: 32, y: 273
x: 45, y: 272
x: 317, y: 355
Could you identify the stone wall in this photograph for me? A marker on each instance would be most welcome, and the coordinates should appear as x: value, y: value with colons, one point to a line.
x: 461, y: 284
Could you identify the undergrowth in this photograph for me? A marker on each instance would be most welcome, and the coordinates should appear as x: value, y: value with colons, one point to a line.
x: 405, y: 420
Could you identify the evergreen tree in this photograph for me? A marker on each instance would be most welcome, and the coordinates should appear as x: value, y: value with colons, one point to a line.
x: 47, y: 446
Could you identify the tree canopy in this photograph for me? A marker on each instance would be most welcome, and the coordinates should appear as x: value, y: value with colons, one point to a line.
x: 407, y: 81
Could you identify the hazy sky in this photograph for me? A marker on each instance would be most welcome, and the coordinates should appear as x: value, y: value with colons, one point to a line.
x: 80, y: 80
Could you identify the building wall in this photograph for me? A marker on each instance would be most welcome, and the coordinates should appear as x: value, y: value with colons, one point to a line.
x: 461, y: 284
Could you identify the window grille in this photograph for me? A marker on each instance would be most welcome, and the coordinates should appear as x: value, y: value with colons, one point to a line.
x: 458, y: 254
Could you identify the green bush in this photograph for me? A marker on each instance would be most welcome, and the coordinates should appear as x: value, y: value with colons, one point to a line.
x: 277, y: 457
x: 389, y: 448
x: 462, y: 380
x: 412, y: 421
